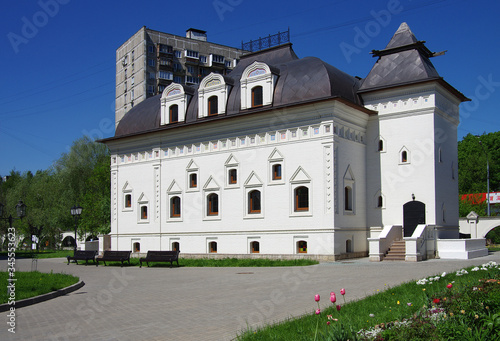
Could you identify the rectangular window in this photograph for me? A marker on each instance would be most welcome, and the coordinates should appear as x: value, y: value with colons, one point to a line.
x: 151, y: 49
x: 152, y: 75
x: 178, y: 54
x: 190, y: 69
x: 192, y: 54
x: 151, y: 62
x: 177, y: 79
x: 151, y: 89
x: 228, y: 63
x: 192, y: 80
x: 165, y: 48
x: 218, y: 59
x: 165, y: 75
x: 203, y: 59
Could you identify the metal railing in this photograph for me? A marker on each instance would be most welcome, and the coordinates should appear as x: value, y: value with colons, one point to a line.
x: 267, y: 42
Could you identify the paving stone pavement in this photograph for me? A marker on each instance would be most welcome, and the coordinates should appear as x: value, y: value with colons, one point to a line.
x: 203, y: 304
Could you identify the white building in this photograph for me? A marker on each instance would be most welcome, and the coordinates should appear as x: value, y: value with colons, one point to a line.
x: 289, y: 156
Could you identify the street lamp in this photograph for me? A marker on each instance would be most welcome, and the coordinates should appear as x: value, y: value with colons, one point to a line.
x: 487, y: 177
x: 75, y: 212
x: 20, y: 210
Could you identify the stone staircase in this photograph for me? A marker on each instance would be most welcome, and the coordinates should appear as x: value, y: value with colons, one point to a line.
x: 397, y: 251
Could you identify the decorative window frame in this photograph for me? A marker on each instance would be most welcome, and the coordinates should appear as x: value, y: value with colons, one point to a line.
x: 300, y: 178
x: 213, y: 85
x: 276, y: 158
x: 349, y: 181
x: 377, y: 144
x: 257, y: 74
x: 174, y: 191
x: 251, y: 240
x: 209, y: 241
x: 173, y: 94
x: 253, y: 182
x: 296, y: 240
x: 192, y: 168
x: 143, y: 202
x: 211, y: 187
x: 127, y: 190
x: 408, y: 156
x: 231, y: 163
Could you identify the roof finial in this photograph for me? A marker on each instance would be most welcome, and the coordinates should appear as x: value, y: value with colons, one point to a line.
x: 403, y: 27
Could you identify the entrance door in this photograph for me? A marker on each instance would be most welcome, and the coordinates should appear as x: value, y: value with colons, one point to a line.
x: 413, y: 215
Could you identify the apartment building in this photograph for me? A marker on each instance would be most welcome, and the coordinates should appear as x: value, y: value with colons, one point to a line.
x: 151, y: 60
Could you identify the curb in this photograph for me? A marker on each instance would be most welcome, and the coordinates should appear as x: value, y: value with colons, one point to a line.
x: 42, y: 298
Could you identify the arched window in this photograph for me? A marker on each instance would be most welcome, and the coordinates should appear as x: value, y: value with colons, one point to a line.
x: 128, y: 200
x: 175, y: 207
x: 193, y: 180
x: 213, y: 106
x: 301, y: 199
x: 137, y: 247
x: 176, y: 246
x: 348, y: 198
x: 233, y: 176
x: 254, y: 247
x: 173, y: 113
x: 213, y: 204
x: 212, y: 247
x: 380, y: 201
x: 301, y: 246
x: 277, y: 172
x: 257, y: 99
x: 380, y: 145
x: 254, y: 201
x: 144, y: 212
x: 404, y: 156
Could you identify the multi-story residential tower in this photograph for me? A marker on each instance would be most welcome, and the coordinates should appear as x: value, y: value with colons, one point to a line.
x: 150, y: 60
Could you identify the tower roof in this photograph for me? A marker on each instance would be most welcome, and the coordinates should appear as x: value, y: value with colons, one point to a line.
x: 404, y: 60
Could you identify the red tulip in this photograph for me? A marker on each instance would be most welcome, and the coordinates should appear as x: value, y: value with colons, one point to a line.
x: 449, y: 286
x: 316, y: 298
x: 338, y: 307
x: 333, y: 298
x: 436, y: 300
x: 342, y: 291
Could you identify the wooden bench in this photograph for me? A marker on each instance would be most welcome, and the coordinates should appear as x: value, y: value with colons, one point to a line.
x: 114, y: 256
x: 82, y: 255
x: 161, y: 256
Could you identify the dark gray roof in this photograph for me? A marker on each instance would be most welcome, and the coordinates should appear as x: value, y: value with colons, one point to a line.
x: 299, y: 80
x: 405, y: 60
x: 143, y: 117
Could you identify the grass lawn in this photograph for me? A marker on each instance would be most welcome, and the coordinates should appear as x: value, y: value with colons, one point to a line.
x: 463, y: 305
x: 41, y: 254
x: 224, y: 262
x: 30, y: 284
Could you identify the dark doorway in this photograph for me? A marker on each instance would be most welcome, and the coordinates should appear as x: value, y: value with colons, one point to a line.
x: 413, y: 215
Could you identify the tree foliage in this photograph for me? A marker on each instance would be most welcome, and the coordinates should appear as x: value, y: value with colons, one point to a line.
x: 78, y: 177
x: 472, y: 170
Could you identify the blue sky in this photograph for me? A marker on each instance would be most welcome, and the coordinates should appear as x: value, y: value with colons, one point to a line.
x: 58, y: 56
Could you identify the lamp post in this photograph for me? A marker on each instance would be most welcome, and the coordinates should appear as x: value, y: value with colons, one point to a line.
x: 487, y: 177
x: 75, y: 212
x: 20, y: 211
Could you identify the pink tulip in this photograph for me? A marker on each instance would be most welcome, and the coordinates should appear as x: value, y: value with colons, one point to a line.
x: 318, y: 311
x: 449, y: 286
x: 333, y: 298
x: 316, y: 298
x: 338, y: 307
x: 328, y: 322
x: 332, y: 293
x: 342, y: 291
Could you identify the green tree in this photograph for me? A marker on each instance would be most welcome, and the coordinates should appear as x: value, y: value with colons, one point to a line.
x: 472, y: 174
